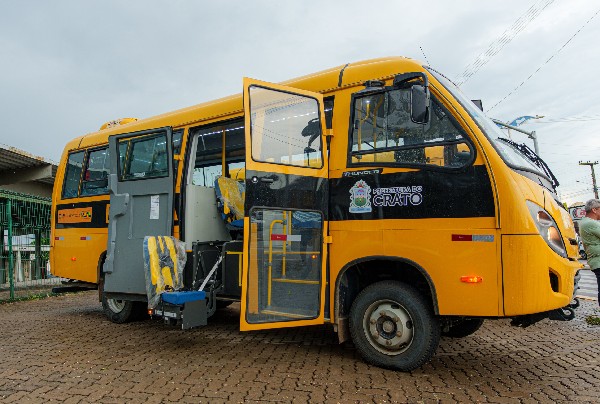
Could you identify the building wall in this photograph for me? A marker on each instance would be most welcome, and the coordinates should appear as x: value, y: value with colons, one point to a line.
x: 30, y: 188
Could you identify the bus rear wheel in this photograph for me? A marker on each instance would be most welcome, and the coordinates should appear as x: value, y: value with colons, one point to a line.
x: 119, y: 311
x: 393, y: 326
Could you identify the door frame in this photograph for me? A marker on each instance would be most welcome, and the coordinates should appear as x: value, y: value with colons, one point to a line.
x: 121, y: 205
x: 283, y: 169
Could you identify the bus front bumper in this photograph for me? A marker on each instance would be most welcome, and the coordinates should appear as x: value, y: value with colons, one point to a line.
x: 536, y: 280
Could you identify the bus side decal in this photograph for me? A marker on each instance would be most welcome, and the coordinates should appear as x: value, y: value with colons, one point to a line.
x: 83, y: 215
x: 413, y: 195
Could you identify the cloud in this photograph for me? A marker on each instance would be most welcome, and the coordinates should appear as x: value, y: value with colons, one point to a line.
x: 69, y: 66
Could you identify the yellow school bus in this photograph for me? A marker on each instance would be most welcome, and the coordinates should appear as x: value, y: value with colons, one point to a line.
x: 373, y: 196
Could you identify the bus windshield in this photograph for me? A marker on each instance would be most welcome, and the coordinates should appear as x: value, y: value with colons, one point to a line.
x: 509, y: 153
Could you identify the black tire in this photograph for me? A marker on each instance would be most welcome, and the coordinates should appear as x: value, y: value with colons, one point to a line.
x: 120, y: 311
x: 463, y: 328
x: 574, y: 303
x: 393, y: 326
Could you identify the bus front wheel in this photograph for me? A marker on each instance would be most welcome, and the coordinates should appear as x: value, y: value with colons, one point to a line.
x: 392, y: 326
x: 118, y: 311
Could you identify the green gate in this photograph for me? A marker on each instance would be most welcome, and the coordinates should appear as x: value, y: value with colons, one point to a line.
x: 24, y: 245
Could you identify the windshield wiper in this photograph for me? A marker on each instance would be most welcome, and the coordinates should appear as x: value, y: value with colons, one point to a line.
x: 534, y: 158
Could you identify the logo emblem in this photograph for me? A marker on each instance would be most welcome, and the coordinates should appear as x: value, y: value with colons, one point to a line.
x: 360, y: 198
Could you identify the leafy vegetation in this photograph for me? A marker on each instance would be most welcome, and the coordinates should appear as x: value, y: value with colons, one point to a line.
x: 592, y: 320
x: 37, y: 296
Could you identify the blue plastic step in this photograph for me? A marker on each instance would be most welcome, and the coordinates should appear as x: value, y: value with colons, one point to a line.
x: 180, y: 298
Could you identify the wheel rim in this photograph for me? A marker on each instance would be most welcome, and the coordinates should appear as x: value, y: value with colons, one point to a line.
x: 116, y: 306
x: 388, y: 327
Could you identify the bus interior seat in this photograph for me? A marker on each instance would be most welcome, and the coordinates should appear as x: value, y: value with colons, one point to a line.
x: 230, y: 196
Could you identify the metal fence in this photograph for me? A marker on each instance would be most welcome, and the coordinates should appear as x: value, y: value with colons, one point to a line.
x: 24, y: 246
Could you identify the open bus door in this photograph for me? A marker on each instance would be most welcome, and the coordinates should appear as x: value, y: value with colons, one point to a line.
x: 286, y: 197
x: 141, y: 204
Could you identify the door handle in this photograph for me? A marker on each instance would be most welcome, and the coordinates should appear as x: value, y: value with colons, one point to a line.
x: 267, y: 180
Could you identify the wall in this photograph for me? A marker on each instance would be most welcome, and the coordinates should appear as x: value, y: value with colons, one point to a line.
x: 30, y: 188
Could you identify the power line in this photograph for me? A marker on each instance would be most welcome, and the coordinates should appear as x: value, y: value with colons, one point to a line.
x: 571, y: 195
x: 569, y: 119
x: 576, y: 191
x: 425, y: 56
x: 546, y: 62
x: 587, y: 148
x: 577, y: 185
x: 496, y: 46
x: 571, y: 179
x: 571, y: 154
x: 499, y: 44
x: 572, y: 118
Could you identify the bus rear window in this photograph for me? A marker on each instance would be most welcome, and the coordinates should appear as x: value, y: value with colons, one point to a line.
x: 73, y: 175
x: 95, y: 177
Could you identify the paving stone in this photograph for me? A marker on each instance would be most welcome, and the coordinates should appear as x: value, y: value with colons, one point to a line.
x: 64, y: 349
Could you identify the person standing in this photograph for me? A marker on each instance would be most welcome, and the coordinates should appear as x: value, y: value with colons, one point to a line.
x: 589, y: 231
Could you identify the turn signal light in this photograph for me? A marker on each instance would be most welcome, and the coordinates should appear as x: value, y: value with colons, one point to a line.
x: 471, y: 279
x: 73, y: 258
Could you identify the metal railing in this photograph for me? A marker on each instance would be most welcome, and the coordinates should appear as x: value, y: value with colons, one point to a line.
x: 286, y: 223
x: 24, y: 246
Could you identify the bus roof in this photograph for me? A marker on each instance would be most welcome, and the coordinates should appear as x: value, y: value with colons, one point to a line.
x: 326, y: 81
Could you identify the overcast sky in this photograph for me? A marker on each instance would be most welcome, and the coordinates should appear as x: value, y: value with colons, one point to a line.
x: 66, y: 67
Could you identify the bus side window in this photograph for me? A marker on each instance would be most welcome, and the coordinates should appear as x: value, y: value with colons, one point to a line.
x: 285, y: 129
x: 147, y: 158
x: 328, y: 105
x: 176, y: 141
x: 208, y: 163
x: 95, y: 177
x: 382, y: 124
x: 73, y: 175
x: 206, y: 176
x: 123, y: 146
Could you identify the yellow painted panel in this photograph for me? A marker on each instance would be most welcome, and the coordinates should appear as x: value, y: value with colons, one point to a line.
x: 444, y: 260
x: 413, y: 224
x: 527, y: 262
x: 76, y: 253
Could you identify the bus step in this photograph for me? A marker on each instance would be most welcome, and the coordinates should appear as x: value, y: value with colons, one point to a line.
x: 188, y: 309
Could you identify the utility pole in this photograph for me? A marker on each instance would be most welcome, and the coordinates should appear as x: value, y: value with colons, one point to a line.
x: 591, y: 164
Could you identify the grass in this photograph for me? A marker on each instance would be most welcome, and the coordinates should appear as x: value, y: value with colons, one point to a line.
x: 592, y: 320
x: 37, y: 296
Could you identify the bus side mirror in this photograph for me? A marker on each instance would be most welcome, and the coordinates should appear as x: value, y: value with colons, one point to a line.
x: 419, y: 111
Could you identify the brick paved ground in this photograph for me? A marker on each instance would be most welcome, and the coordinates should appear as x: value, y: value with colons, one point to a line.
x: 63, y: 348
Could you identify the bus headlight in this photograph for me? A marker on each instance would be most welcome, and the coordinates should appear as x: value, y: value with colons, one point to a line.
x: 547, y: 228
